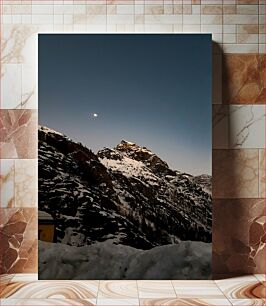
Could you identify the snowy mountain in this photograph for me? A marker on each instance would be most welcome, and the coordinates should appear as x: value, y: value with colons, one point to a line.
x: 126, y: 195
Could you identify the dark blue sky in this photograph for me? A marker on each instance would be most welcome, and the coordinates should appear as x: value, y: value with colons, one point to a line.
x: 154, y: 90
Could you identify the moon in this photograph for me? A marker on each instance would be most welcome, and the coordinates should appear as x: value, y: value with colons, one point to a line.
x: 95, y: 115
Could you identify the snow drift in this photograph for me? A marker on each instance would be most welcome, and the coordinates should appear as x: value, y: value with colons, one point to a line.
x: 105, y: 260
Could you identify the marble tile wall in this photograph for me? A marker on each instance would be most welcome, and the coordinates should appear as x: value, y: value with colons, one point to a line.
x: 238, y: 31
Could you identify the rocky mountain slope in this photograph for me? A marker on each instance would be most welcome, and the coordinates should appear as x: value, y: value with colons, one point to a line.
x: 126, y: 195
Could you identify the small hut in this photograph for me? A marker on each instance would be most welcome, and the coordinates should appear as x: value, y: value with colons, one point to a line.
x: 46, y: 228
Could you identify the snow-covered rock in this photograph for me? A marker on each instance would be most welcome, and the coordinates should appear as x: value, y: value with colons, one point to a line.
x: 126, y: 195
x: 186, y: 260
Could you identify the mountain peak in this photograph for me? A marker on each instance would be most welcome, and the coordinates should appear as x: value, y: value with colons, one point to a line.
x: 128, y: 146
x: 126, y: 142
x: 138, y: 153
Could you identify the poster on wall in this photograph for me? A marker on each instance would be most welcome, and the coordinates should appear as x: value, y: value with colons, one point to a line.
x: 124, y: 156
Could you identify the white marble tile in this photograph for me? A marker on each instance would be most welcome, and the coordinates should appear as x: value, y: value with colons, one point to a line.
x: 43, y: 9
x: 260, y: 277
x: 155, y: 289
x: 120, y: 19
x: 229, y: 29
x: 220, y: 126
x: 6, y: 19
x: 191, y: 28
x: 240, y: 48
x: 163, y: 19
x: 19, y: 45
x: 26, y: 182
x: 184, y: 302
x: 10, y: 85
x: 158, y: 28
x: 97, y: 19
x: 118, y: 290
x: 246, y: 126
x: 7, y: 183
x: 125, y: 9
x: 117, y: 302
x: 25, y: 277
x: 209, y: 28
x: 197, y: 289
x: 262, y: 48
x: 42, y: 19
x: 229, y: 38
x: 29, y: 86
x: 191, y: 19
x: 79, y: 9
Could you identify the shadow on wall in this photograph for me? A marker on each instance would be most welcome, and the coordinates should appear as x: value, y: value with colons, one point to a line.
x: 239, y: 211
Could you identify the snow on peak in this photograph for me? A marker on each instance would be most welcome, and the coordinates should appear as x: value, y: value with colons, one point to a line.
x: 129, y: 167
x: 47, y: 130
x: 125, y: 142
x: 128, y: 146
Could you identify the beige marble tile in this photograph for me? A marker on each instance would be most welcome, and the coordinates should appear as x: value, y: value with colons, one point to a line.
x: 247, y: 9
x: 153, y: 9
x: 246, y: 38
x: 93, y: 9
x: 48, y: 302
x: 236, y: 173
x: 18, y: 233
x: 155, y: 289
x: 247, y: 2
x: 229, y: 29
x: 248, y: 29
x: 262, y: 171
x: 211, y: 19
x: 248, y: 302
x: 197, y: 289
x: 26, y: 183
x: 245, y: 287
x: 118, y: 290
x: 238, y: 230
x: 7, y: 182
x: 18, y: 134
x: 51, y: 290
x: 5, y: 279
x: 184, y: 302
x: 229, y: 9
x: 212, y: 9
x: 240, y: 19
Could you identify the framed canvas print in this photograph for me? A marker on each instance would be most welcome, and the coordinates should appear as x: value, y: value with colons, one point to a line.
x: 124, y: 156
